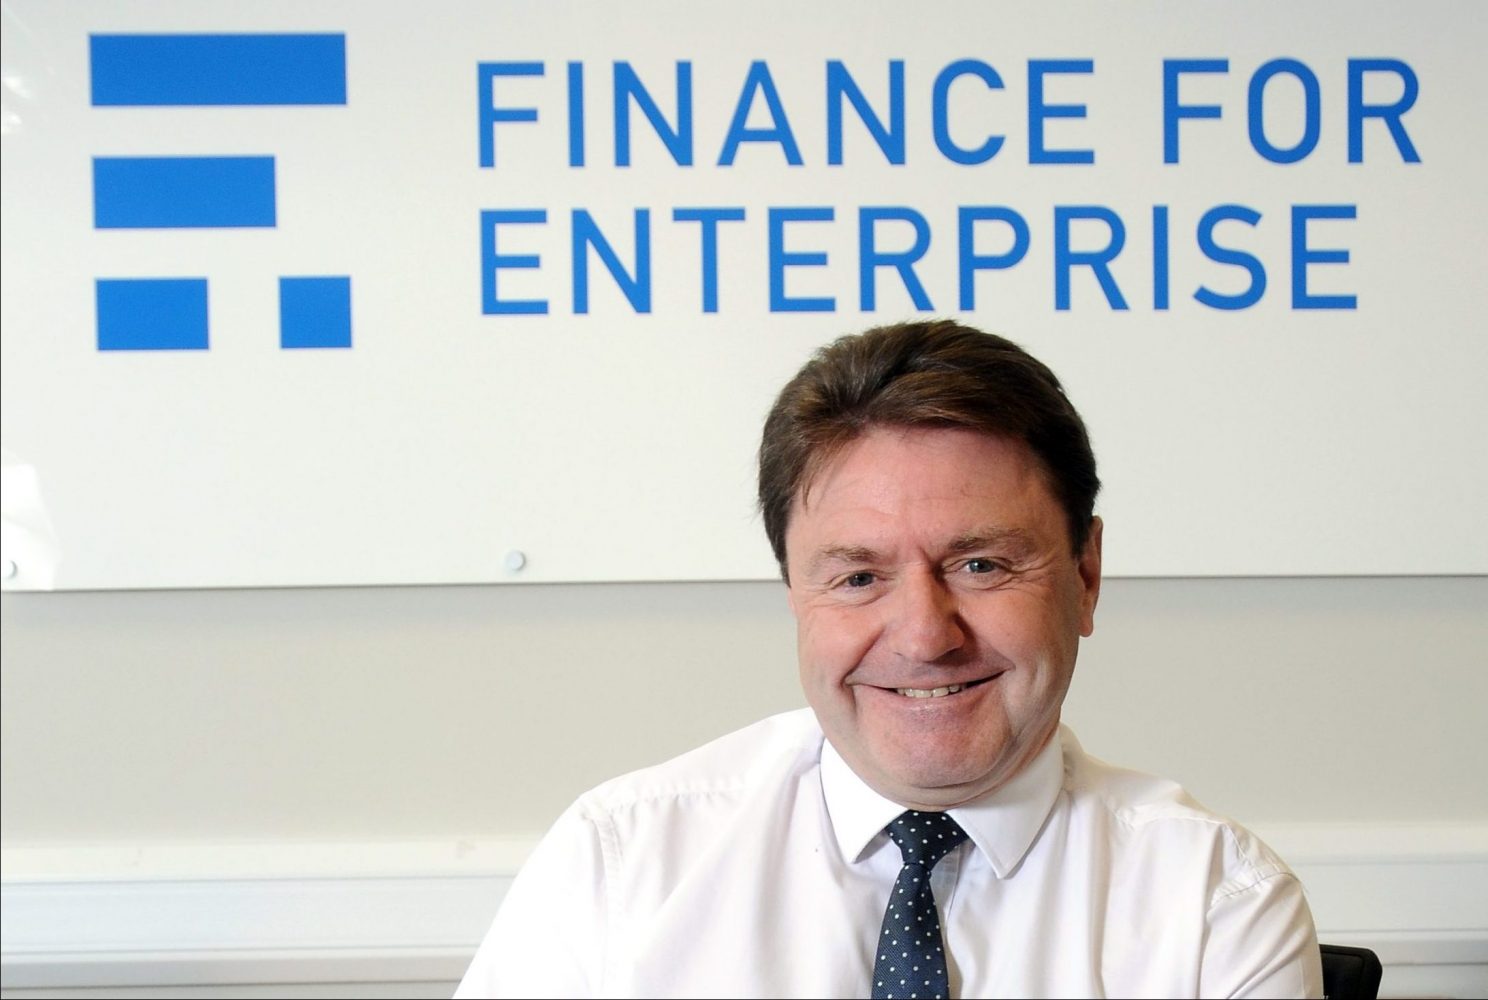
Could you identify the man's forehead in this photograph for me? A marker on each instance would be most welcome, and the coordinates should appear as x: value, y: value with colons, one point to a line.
x: 1006, y: 541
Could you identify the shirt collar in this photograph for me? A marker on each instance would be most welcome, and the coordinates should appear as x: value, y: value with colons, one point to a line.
x: 1002, y: 824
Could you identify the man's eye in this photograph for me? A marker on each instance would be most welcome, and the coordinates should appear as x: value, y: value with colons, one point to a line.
x: 979, y: 566
x: 861, y: 579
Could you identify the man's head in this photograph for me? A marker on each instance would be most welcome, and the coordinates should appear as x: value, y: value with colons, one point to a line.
x: 936, y: 374
x: 928, y: 491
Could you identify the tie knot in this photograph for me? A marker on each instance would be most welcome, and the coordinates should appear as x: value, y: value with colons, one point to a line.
x: 925, y: 837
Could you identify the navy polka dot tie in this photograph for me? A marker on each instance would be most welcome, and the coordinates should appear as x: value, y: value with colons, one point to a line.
x: 911, y: 955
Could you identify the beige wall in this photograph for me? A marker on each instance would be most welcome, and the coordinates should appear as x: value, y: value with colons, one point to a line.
x: 362, y: 714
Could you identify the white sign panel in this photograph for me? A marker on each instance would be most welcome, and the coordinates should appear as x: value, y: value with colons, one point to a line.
x: 342, y: 293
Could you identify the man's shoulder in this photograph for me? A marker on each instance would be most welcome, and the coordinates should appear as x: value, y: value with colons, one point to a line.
x: 764, y: 755
x: 1150, y: 812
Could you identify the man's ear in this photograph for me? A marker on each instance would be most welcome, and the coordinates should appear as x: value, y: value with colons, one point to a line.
x: 1089, y: 568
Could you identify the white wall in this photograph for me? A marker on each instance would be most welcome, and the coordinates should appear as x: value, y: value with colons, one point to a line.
x: 175, y: 763
x: 409, y: 712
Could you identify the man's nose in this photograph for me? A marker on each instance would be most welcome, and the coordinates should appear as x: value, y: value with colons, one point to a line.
x: 927, y: 620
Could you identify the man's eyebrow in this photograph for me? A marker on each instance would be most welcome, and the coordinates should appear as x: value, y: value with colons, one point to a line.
x: 1014, y: 541
x: 840, y: 555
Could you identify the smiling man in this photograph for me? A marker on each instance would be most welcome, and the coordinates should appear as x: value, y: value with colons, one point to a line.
x: 927, y: 828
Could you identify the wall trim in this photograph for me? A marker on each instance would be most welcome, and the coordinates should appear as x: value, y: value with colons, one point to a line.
x: 76, y: 916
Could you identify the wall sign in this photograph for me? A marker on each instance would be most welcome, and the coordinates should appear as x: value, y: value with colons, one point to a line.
x: 314, y: 293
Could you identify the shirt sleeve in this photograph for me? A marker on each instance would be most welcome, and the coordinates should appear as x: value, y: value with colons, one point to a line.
x: 549, y: 936
x: 1261, y: 942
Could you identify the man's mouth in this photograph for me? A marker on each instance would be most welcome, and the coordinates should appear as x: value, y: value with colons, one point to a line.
x: 939, y: 692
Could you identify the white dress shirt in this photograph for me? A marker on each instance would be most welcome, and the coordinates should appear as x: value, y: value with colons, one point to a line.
x: 757, y: 866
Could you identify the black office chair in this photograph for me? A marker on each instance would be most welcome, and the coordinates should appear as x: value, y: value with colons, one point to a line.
x: 1350, y: 973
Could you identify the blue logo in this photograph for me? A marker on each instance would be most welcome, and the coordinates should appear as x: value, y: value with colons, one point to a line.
x: 207, y: 192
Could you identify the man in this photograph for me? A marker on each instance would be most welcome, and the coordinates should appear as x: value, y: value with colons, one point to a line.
x: 928, y: 491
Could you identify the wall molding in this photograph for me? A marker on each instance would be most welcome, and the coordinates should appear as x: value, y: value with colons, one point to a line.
x: 77, y: 916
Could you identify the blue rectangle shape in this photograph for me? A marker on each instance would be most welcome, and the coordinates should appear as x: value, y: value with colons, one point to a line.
x: 315, y: 312
x: 183, y: 192
x: 152, y: 314
x: 208, y: 70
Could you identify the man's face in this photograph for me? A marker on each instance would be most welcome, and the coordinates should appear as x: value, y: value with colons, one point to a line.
x: 923, y: 560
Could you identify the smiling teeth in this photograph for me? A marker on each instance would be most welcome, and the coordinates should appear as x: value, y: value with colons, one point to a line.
x: 932, y: 693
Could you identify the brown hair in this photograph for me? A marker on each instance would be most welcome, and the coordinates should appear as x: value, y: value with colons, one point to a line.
x: 928, y: 374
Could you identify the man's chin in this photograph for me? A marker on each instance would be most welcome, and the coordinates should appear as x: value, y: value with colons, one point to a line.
x: 941, y: 782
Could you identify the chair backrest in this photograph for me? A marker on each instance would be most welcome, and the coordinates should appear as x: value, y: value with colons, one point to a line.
x: 1350, y: 973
